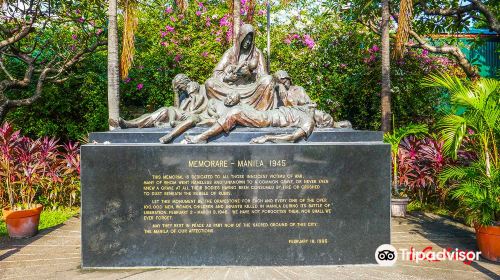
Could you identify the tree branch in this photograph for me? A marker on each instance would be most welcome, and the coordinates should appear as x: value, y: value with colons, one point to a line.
x: 44, y: 75
x: 25, y: 30
x: 370, y: 24
x: 493, y: 22
x: 7, y: 73
x: 28, y: 73
x: 474, y: 6
x: 470, y: 70
x: 77, y: 57
x: 37, y: 95
x: 43, y: 63
x: 446, y: 11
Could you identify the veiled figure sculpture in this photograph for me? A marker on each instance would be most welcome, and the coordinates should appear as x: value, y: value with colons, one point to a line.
x: 242, y: 69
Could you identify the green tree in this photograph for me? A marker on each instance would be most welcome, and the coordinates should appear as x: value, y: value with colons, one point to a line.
x: 35, y: 50
x: 433, y: 16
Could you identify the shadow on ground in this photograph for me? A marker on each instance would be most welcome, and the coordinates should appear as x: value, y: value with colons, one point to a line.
x: 448, y: 234
x: 14, y: 245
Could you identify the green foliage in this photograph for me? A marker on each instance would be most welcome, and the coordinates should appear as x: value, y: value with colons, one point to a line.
x: 475, y: 116
x: 418, y: 206
x: 61, y: 31
x: 342, y: 72
x: 479, y: 102
x: 398, y: 134
x: 169, y: 43
x: 477, y: 192
x: 69, y: 111
x: 48, y: 218
x: 423, y: 22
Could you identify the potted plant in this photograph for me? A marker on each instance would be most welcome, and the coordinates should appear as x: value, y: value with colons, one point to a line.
x: 476, y: 183
x: 21, y: 163
x: 399, y: 201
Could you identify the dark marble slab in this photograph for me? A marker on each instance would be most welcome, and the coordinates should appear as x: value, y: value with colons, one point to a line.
x: 113, y: 200
x: 240, y: 134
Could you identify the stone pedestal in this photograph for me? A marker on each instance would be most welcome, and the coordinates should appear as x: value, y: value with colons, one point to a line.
x: 318, y: 202
x: 239, y: 135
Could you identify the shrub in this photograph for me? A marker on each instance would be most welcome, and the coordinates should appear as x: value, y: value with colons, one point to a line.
x: 37, y: 170
x: 420, y: 161
x: 394, y: 139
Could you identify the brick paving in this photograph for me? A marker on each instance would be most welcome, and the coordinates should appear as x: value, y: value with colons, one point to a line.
x: 55, y: 254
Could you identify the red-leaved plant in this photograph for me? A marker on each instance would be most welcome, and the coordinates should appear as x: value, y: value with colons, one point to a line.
x: 37, y: 170
x: 420, y: 162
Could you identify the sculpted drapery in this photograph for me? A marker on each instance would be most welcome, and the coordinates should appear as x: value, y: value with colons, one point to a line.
x: 243, y: 70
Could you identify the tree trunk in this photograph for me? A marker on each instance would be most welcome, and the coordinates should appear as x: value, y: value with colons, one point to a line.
x: 3, y: 102
x: 113, y: 65
x: 395, y: 173
x: 236, y: 22
x: 386, y: 70
x: 3, y: 112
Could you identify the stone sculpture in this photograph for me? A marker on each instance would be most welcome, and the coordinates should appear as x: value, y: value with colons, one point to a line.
x: 195, y: 103
x: 242, y: 69
x: 289, y: 94
x: 240, y: 92
x: 304, y: 118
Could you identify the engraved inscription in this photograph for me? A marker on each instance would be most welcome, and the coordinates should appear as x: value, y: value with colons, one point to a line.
x: 217, y: 201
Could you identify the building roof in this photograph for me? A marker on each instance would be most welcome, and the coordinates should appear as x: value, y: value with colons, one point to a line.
x: 468, y: 33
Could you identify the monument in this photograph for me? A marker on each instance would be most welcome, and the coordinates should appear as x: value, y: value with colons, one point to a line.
x: 245, y: 171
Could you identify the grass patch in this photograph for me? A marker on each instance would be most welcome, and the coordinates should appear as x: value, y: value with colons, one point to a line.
x: 48, y: 218
x: 430, y: 208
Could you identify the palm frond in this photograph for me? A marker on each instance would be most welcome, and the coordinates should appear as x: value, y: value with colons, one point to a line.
x: 477, y: 186
x: 404, y: 26
x: 452, y: 83
x: 399, y: 134
x: 452, y: 131
x: 488, y: 93
x: 487, y: 87
x: 478, y: 195
x: 452, y: 173
x: 128, y: 43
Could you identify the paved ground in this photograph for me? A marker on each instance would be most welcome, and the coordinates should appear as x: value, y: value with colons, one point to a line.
x: 55, y: 254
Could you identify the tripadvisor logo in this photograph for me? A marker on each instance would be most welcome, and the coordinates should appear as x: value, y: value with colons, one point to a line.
x: 386, y: 255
